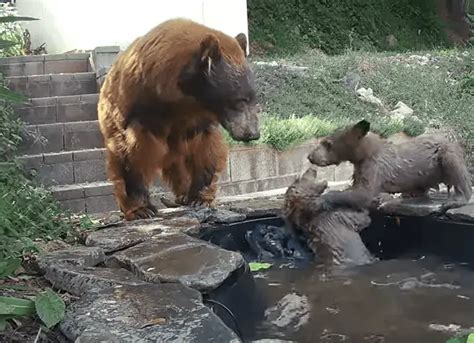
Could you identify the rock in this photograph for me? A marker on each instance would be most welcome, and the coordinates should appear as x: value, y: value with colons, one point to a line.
x: 272, y: 340
x: 51, y: 246
x: 127, y: 235
x: 292, y: 311
x: 352, y: 81
x: 77, y: 256
x: 215, y: 215
x: 260, y: 208
x: 401, y: 111
x: 144, y: 313
x: 222, y: 216
x: 465, y: 213
x: 367, y: 95
x: 78, y: 280
x: 179, y: 258
x: 414, y: 207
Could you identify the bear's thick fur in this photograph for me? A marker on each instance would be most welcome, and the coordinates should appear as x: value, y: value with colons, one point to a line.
x: 160, y: 108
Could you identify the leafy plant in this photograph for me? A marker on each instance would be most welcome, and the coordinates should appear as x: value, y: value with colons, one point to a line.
x: 256, y: 266
x: 27, y: 210
x: 8, y: 266
x: 48, y: 306
x: 12, y: 42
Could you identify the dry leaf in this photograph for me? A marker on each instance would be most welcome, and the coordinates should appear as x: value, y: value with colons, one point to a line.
x: 156, y: 321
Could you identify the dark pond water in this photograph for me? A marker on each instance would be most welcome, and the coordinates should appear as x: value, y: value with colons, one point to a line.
x: 421, y: 291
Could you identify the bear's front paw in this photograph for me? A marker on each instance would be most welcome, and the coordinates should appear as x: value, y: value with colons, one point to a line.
x: 201, y: 204
x: 182, y: 200
x: 144, y: 212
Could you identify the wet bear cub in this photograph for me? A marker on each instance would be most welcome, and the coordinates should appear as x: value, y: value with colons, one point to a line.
x: 333, y: 236
x: 412, y: 167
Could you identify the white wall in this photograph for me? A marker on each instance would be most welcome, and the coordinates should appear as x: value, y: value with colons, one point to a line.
x: 66, y: 25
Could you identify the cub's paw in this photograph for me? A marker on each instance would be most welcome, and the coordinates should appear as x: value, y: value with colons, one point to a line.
x: 320, y: 205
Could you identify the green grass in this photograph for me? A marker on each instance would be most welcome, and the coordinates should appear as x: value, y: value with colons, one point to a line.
x: 300, y: 104
x: 289, y: 26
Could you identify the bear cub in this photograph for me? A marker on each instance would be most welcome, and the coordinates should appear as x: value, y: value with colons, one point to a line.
x: 412, y: 167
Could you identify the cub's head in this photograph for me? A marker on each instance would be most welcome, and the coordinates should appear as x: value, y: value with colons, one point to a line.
x: 341, y: 146
x: 302, y: 190
x: 220, y: 78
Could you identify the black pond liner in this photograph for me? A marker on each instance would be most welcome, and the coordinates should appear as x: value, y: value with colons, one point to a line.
x: 238, y: 303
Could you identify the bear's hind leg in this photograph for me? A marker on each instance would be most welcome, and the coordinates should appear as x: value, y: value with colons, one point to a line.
x: 131, y: 192
x: 178, y: 177
x: 207, y: 159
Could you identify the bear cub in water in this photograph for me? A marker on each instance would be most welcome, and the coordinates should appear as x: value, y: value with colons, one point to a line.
x: 333, y: 236
x: 412, y: 167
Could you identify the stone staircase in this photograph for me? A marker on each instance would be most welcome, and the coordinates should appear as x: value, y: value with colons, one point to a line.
x: 65, y: 150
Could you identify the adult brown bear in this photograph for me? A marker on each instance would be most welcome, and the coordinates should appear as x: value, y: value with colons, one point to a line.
x: 160, y: 108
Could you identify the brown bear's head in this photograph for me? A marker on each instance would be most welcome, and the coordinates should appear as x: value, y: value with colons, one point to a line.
x: 220, y: 78
x: 344, y: 145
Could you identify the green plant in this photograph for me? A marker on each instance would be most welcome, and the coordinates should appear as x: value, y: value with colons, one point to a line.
x: 257, y: 266
x: 48, y: 306
x: 334, y: 26
x: 12, y: 42
x: 27, y: 211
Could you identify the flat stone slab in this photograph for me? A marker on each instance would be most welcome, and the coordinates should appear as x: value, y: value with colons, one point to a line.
x: 258, y: 208
x: 145, y: 313
x: 77, y: 256
x: 126, y: 235
x: 78, y: 280
x: 179, y: 258
x: 211, y: 215
x: 431, y: 205
x: 465, y: 213
x: 414, y: 207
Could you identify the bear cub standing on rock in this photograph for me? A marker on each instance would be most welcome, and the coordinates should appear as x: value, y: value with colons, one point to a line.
x: 411, y: 167
x: 160, y: 108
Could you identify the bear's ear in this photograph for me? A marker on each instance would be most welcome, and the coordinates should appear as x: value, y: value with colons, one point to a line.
x: 361, y: 128
x: 210, y: 51
x: 242, y: 40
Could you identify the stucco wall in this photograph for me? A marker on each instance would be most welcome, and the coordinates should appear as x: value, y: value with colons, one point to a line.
x: 66, y: 25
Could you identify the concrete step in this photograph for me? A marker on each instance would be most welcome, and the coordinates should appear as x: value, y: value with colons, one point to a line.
x: 57, y: 137
x: 48, y: 85
x: 60, y: 109
x: 66, y: 167
x: 93, y: 197
x: 45, y: 64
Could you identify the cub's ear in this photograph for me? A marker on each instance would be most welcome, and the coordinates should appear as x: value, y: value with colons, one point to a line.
x: 242, y: 40
x: 310, y: 174
x: 210, y: 51
x: 361, y: 128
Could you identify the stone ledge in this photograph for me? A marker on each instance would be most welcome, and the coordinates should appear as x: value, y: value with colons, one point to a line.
x: 145, y: 313
x: 130, y: 234
x: 179, y: 258
x: 78, y: 280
